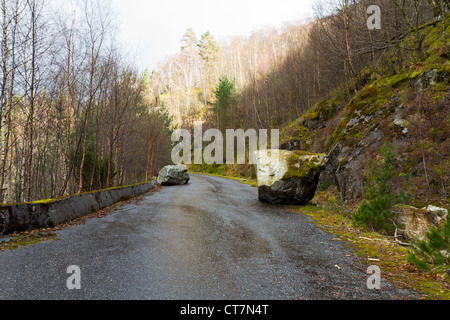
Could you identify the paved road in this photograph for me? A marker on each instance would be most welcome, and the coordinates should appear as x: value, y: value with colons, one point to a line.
x: 210, y: 239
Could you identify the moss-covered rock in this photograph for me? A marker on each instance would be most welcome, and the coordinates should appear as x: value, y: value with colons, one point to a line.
x: 416, y: 222
x: 302, y: 163
x: 288, y: 177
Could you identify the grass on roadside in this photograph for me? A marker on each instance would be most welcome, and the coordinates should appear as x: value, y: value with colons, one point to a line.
x: 372, y: 248
x: 26, y: 238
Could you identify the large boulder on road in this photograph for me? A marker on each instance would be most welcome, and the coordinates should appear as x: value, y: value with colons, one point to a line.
x: 288, y: 177
x: 173, y: 175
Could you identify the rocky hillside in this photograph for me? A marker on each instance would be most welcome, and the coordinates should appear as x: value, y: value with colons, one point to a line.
x: 405, y: 110
x: 408, y: 109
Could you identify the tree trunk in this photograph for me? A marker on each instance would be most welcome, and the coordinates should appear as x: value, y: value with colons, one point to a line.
x: 444, y: 26
x: 32, y: 100
x: 347, y: 37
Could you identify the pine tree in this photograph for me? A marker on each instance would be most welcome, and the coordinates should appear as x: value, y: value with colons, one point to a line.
x: 225, y: 95
x: 189, y: 43
x: 433, y: 250
x: 377, y: 208
x: 208, y: 48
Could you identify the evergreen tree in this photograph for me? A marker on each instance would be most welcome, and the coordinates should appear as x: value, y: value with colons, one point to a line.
x: 377, y: 208
x: 189, y: 43
x: 208, y: 48
x: 433, y: 250
x: 225, y: 95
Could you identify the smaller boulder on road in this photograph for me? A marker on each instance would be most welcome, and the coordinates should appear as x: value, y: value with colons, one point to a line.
x: 173, y: 175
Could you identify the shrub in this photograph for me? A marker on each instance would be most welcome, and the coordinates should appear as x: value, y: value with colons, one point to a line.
x: 433, y: 250
x: 376, y: 210
x: 325, y: 184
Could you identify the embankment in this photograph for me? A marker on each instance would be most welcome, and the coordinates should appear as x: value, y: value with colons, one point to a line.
x: 52, y: 212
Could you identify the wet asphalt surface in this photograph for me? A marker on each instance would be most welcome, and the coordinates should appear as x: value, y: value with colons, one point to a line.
x: 208, y: 240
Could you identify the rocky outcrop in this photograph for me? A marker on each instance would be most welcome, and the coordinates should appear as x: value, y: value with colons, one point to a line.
x: 414, y: 223
x: 288, y: 177
x: 173, y: 175
x: 291, y: 145
x: 424, y: 79
x: 328, y: 175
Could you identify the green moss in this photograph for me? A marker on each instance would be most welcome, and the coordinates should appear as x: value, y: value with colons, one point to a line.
x: 433, y: 33
x: 47, y: 201
x: 439, y: 91
x: 432, y: 60
x: 415, y: 74
x: 327, y: 108
x: 446, y: 68
x: 440, y: 87
x: 395, y: 81
x: 313, y: 115
x: 321, y: 111
x: 293, y: 131
x: 299, y: 166
x: 367, y: 102
x: 358, y: 135
x: 26, y: 239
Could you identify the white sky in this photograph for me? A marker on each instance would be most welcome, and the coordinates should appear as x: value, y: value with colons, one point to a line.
x: 151, y: 30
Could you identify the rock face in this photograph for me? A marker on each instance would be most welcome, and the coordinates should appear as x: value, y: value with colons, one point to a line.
x: 416, y: 222
x: 288, y: 177
x: 173, y: 175
x: 328, y: 175
x: 425, y: 79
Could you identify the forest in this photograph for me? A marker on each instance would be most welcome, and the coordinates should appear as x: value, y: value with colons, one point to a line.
x: 75, y: 114
x: 272, y: 77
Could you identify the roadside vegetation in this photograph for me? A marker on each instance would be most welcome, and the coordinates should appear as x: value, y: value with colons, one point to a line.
x: 392, y: 121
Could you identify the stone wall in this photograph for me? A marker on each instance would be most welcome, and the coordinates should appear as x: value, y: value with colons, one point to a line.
x: 25, y: 216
